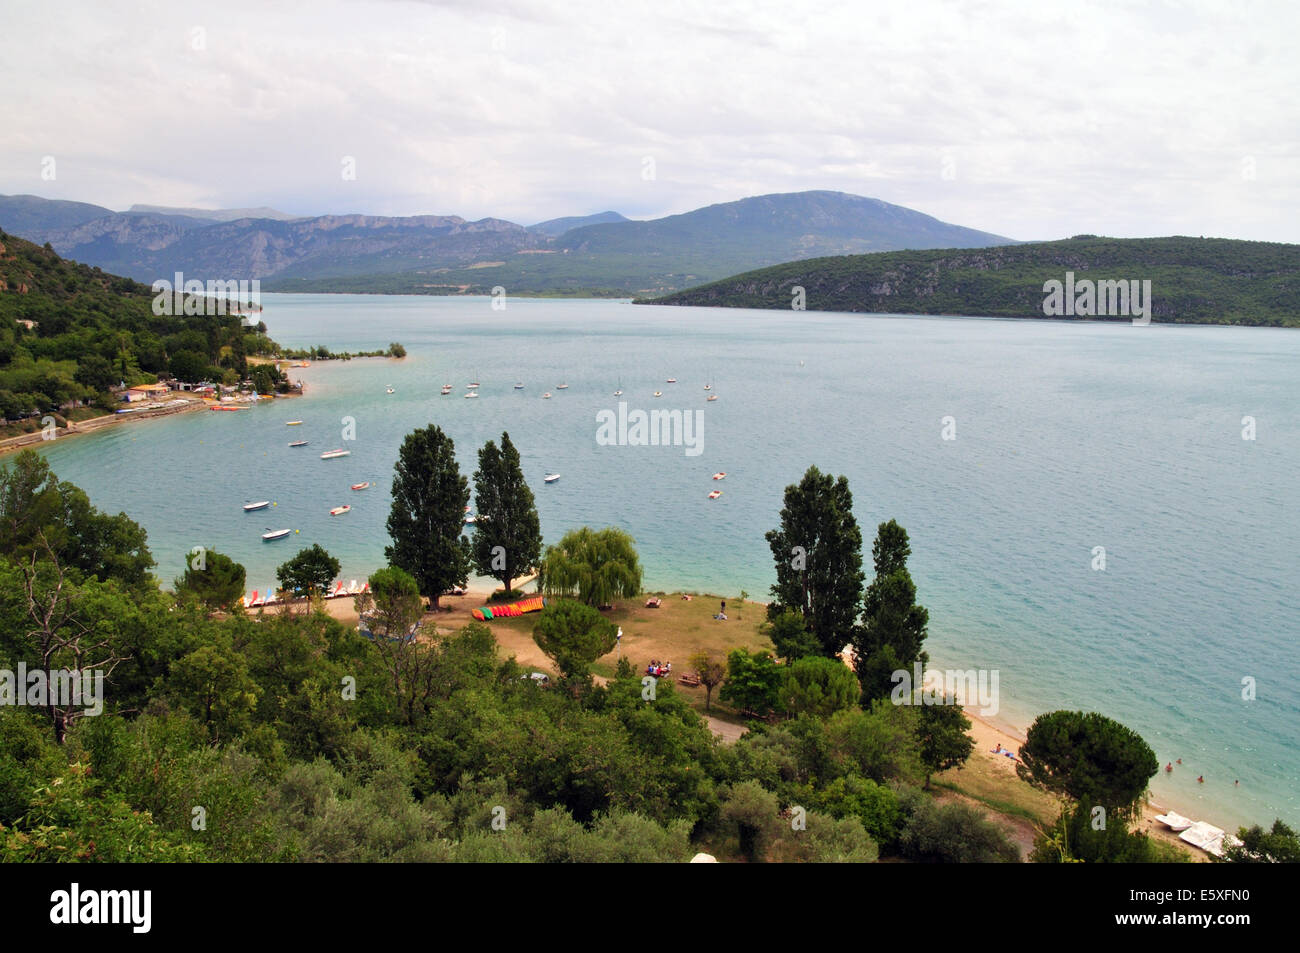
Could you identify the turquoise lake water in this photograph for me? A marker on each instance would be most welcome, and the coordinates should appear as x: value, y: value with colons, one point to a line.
x: 1069, y: 436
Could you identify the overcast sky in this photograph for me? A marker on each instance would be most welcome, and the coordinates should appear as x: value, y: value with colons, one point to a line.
x: 1040, y: 119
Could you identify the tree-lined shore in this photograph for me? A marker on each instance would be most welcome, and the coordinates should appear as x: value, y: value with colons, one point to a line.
x: 225, y: 735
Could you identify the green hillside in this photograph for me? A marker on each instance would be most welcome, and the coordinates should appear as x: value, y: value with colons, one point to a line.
x: 1193, y: 280
x: 69, y: 332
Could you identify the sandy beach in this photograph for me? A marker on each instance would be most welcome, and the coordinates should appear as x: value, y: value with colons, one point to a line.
x: 989, y: 736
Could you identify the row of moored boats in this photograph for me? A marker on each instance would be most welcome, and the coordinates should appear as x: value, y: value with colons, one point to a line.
x: 473, y: 386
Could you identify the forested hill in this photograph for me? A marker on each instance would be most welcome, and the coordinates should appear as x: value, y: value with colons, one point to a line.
x: 1193, y: 280
x: 69, y: 332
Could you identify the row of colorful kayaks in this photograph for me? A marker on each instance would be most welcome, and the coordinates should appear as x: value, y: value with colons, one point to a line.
x: 487, y: 613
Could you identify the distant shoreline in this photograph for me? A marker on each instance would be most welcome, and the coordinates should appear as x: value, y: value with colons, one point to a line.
x: 191, y: 404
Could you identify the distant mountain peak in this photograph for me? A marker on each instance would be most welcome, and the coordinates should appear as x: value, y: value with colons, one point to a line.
x: 214, y: 214
x: 558, y: 226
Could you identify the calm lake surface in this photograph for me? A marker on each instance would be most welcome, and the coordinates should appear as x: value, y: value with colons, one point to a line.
x: 1069, y: 436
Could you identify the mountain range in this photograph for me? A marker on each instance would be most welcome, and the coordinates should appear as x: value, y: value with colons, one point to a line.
x: 604, y: 253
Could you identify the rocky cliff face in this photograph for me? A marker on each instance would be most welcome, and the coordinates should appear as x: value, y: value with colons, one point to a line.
x: 146, y: 247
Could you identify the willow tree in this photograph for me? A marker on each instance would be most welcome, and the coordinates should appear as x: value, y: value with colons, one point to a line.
x: 594, y: 566
x: 428, y: 513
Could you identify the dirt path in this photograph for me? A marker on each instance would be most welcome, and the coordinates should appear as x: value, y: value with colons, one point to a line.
x: 729, y: 732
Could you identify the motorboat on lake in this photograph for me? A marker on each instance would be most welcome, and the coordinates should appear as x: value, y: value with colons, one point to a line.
x: 340, y: 510
x: 361, y: 486
x: 272, y: 534
x: 550, y: 478
x: 331, y: 454
x: 259, y: 505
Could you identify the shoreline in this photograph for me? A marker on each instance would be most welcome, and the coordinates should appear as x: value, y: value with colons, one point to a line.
x: 93, y: 424
x: 988, y: 733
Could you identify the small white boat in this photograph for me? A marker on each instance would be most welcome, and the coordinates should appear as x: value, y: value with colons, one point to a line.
x: 713, y: 397
x: 550, y: 477
x: 672, y: 380
x: 390, y: 390
x: 361, y: 486
x: 471, y: 394
x: 470, y: 519
x: 519, y: 386
x: 720, y: 475
x: 298, y: 443
x: 472, y: 385
x: 546, y: 396
x: 340, y: 510
x: 1211, y: 839
x: 715, y: 494
x: 331, y: 454
x: 708, y: 387
x: 292, y: 423
x: 659, y: 393
x: 1175, y: 822
x: 275, y: 534
x: 446, y: 389
x: 259, y: 505
x: 618, y: 393
x: 561, y: 386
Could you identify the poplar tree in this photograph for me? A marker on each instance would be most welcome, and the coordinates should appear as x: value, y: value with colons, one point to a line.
x: 508, y: 534
x: 818, y: 555
x: 893, y: 626
x: 428, y: 514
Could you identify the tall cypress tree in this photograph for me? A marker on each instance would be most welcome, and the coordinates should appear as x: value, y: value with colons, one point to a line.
x: 893, y: 626
x: 818, y: 554
x: 508, y: 534
x: 428, y: 514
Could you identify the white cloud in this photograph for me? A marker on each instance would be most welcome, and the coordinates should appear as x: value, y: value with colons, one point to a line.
x: 1026, y: 119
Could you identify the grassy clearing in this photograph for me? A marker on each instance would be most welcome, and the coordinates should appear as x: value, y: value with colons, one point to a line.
x: 995, y: 784
x: 674, y: 632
